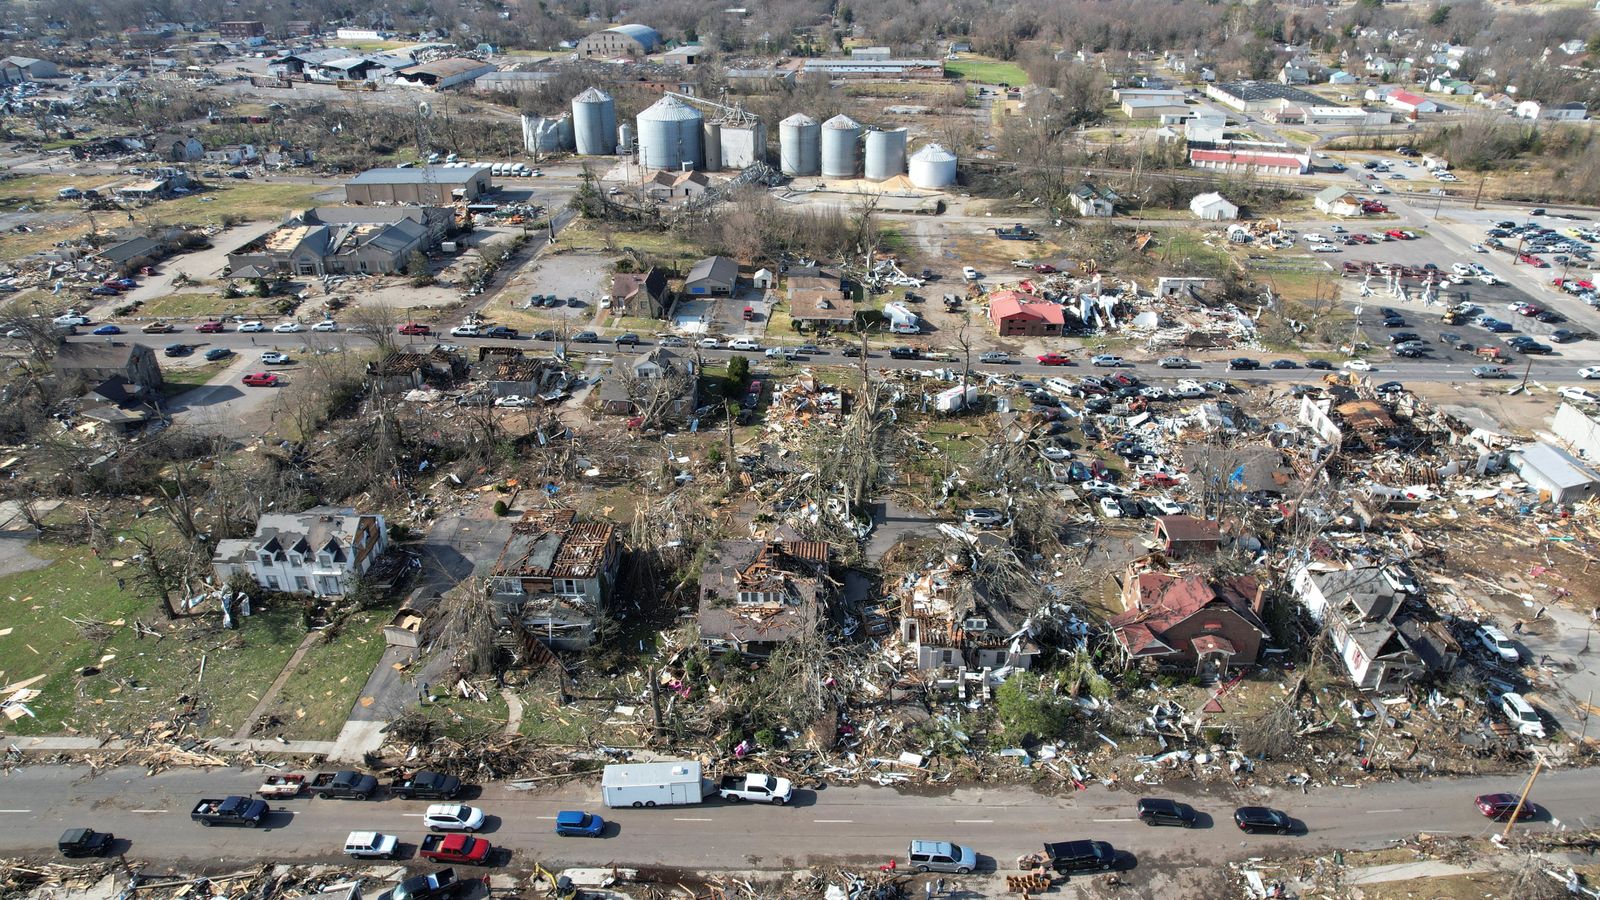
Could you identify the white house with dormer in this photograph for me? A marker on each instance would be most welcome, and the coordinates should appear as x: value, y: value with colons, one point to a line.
x: 323, y: 551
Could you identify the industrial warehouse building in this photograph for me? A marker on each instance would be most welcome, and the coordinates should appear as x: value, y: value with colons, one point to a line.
x: 623, y: 40
x: 445, y: 73
x: 424, y: 186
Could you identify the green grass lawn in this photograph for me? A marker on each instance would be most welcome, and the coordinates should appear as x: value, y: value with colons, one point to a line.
x: 192, y: 376
x: 317, y: 698
x: 987, y: 70
x: 137, y: 679
x: 193, y: 305
x: 247, y: 199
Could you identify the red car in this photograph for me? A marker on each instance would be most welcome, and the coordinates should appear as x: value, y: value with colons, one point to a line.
x: 1158, y: 479
x: 262, y: 379
x: 1529, y: 309
x: 1045, y: 269
x: 209, y: 328
x: 1531, y: 260
x: 1503, y: 806
x: 455, y: 848
x: 413, y: 328
x: 1054, y: 359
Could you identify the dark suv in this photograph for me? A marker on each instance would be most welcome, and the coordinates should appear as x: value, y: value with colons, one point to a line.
x: 1081, y: 856
x: 1154, y: 811
x: 903, y: 352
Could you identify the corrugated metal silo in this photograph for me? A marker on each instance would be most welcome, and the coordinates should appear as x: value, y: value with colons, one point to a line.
x: 799, y: 145
x: 669, y: 135
x: 594, y: 123
x: 886, y: 154
x: 840, y: 135
x: 933, y: 167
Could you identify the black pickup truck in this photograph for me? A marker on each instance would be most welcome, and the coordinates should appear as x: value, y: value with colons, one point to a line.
x: 344, y: 785
x: 244, y: 811
x: 426, y: 785
x: 76, y: 842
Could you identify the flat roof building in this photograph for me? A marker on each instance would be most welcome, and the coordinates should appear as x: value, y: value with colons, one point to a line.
x: 421, y: 186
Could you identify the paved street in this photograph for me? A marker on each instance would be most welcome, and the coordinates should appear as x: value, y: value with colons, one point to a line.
x: 860, y: 825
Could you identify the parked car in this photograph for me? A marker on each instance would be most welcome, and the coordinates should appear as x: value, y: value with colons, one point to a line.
x: 210, y: 327
x: 262, y: 379
x: 216, y: 353
x: 984, y: 516
x: 1054, y: 359
x: 371, y: 845
x: 1242, y: 363
x: 1522, y: 716
x: 941, y: 856
x: 1252, y: 819
x: 1489, y: 372
x: 252, y: 325
x: 586, y: 337
x: 574, y: 823
x: 1319, y: 364
x: 1496, y: 642
x: 414, y: 328
x: 1106, y: 360
x: 903, y: 353
x: 1174, y: 362
x: 78, y: 842
x: 994, y: 356
x: 325, y: 325
x: 159, y: 328
x: 1156, y: 811
x: 286, y: 328
x: 1080, y: 856
x: 274, y: 358
x: 177, y: 350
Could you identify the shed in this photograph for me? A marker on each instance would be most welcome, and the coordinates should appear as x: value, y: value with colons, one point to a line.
x: 1213, y: 207
x: 1187, y: 535
x: 1552, y: 470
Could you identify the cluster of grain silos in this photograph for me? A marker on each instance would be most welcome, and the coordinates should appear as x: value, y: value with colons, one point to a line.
x: 886, y: 154
x: 800, y: 145
x: 933, y: 168
x: 594, y: 121
x: 547, y: 134
x: 840, y: 158
x: 670, y: 134
x: 744, y: 143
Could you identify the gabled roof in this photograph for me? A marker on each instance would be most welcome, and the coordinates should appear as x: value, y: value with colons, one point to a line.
x: 1189, y: 528
x: 716, y: 268
x: 1163, y: 600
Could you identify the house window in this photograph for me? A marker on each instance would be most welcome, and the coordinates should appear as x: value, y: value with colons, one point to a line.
x: 759, y: 598
x: 272, y: 582
x: 266, y: 558
x: 301, y: 584
x: 295, y: 560
x: 569, y: 587
x: 329, y: 585
x: 949, y: 657
x: 325, y: 559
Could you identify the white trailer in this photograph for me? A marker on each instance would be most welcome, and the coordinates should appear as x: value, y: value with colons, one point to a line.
x: 653, y: 784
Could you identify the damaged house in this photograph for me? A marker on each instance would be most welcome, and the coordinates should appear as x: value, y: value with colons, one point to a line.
x: 323, y: 551
x: 512, y: 374
x: 757, y: 595
x: 1383, y: 642
x: 340, y: 240
x: 1185, y: 621
x: 554, y: 577
x: 950, y: 622
x: 657, y: 384
x: 405, y: 370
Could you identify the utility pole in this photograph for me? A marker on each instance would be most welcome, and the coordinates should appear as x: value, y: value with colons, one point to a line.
x: 1482, y: 180
x: 1523, y: 797
x: 1588, y: 710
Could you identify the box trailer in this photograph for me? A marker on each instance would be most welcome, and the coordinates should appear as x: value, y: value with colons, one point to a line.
x: 653, y: 784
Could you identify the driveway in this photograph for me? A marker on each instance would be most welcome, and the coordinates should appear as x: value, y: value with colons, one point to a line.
x: 893, y: 523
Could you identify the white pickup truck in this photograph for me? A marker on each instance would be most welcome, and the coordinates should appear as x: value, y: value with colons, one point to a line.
x: 756, y: 788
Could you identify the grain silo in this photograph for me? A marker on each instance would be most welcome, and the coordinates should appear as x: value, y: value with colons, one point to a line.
x: 886, y: 154
x: 594, y: 123
x: 625, y: 138
x: 933, y: 167
x: 799, y: 145
x: 712, y: 141
x: 744, y: 143
x: 544, y: 134
x: 669, y: 135
x: 840, y: 135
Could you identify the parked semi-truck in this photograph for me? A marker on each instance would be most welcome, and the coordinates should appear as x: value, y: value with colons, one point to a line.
x: 677, y: 783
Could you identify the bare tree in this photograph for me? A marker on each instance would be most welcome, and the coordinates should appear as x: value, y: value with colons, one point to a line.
x: 380, y: 323
x: 465, y: 617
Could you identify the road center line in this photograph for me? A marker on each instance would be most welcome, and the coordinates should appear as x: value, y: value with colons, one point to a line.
x: 1374, y: 812
x: 23, y: 810
x: 413, y: 815
x: 833, y: 821
x: 974, y: 821
x: 147, y: 810
x: 691, y: 820
x: 550, y: 818
x: 1116, y: 820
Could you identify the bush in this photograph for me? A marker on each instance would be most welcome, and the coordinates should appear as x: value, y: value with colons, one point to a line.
x: 500, y: 508
x: 738, y: 371
x: 766, y: 737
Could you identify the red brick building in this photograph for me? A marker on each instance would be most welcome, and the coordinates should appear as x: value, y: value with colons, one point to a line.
x: 1023, y: 315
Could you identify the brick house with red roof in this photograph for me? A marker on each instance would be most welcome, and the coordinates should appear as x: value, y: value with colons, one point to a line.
x: 1017, y: 314
x: 1187, y: 621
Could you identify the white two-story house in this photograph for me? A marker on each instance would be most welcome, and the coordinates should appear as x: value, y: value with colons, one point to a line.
x: 323, y: 551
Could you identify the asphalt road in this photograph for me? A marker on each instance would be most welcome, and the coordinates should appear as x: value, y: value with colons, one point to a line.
x: 1442, y: 366
x: 859, y: 825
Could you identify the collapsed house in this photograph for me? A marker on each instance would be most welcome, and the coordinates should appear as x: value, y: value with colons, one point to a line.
x: 553, y: 580
x: 1383, y: 641
x: 342, y: 240
x: 950, y: 623
x: 1182, y: 620
x: 756, y: 595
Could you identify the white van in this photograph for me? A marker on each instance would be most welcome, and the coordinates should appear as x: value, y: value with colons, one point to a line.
x: 498, y: 170
x: 1522, y: 716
